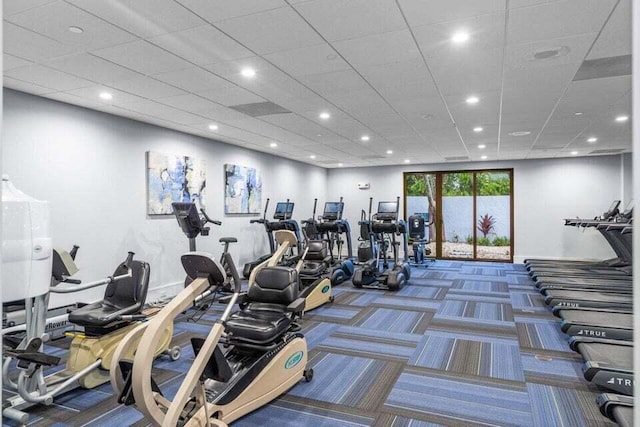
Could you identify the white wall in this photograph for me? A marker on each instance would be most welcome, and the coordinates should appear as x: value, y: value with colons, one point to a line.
x: 545, y: 192
x: 91, y: 167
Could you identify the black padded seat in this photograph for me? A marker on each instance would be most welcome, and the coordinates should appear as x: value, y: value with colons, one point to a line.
x: 228, y: 240
x: 126, y: 296
x: 317, y: 259
x: 265, y: 318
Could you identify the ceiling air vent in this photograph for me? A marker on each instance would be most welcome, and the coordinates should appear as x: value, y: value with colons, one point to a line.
x: 372, y: 157
x: 259, y: 109
x: 456, y: 158
x: 608, y: 151
x: 604, y: 67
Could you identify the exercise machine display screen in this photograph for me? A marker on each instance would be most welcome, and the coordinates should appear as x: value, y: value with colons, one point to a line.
x: 188, y: 218
x: 332, y: 210
x: 387, y: 210
x: 614, y: 205
x: 283, y: 210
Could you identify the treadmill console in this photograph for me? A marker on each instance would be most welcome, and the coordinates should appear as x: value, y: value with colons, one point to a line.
x: 284, y: 210
x: 332, y: 211
x: 387, y: 211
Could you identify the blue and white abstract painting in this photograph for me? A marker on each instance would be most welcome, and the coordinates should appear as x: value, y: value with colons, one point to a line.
x: 242, y: 190
x: 173, y: 178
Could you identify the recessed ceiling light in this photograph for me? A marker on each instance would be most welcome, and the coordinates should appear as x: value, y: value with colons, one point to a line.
x: 478, y: 129
x: 324, y: 115
x: 364, y: 138
x: 483, y: 157
x: 578, y: 113
x: 592, y: 139
x: 248, y: 72
x: 520, y: 133
x: 273, y: 145
x: 313, y: 156
x: 106, y: 96
x: 389, y: 151
x: 482, y: 146
x: 460, y: 37
x: 472, y: 100
x: 213, y: 127
x: 76, y: 30
x: 622, y: 118
x: 574, y: 153
x: 340, y: 164
x: 407, y: 161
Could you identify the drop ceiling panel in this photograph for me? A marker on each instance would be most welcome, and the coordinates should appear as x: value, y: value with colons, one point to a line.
x: 615, y: 39
x: 271, y: 31
x: 11, y: 7
x: 194, y: 80
x: 308, y: 60
x: 147, y: 87
x: 91, y: 95
x: 189, y: 102
x: 202, y: 45
x: 420, y: 12
x: 557, y: 19
x: 53, y: 20
x: 164, y: 112
x: 349, y: 19
x: 91, y: 67
x: 28, y: 87
x: 378, y: 49
x: 479, y: 71
x: 296, y: 124
x: 9, y: 62
x: 142, y: 57
x: 32, y: 46
x: 225, y: 9
x: 145, y: 18
x: 333, y: 83
x: 231, y: 96
x: 48, y: 77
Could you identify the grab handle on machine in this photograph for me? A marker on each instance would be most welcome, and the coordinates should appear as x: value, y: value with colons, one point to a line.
x: 127, y: 262
x: 207, y: 219
x: 132, y: 317
x: 74, y: 251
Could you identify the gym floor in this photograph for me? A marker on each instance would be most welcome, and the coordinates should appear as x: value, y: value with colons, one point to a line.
x: 466, y: 343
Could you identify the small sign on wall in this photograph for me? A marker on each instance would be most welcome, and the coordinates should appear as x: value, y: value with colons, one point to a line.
x: 364, y: 186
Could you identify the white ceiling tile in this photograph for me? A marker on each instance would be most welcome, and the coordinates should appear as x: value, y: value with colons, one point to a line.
x: 32, y: 46
x: 23, y: 86
x: 11, y: 7
x: 147, y: 87
x: 9, y: 62
x: 145, y: 18
x: 202, y: 45
x: 555, y: 20
x: 142, y: 57
x: 225, y: 9
x: 514, y: 4
x: 420, y: 12
x: 54, y: 19
x: 378, y: 49
x: 231, y: 96
x: 73, y: 99
x: 164, y: 112
x: 308, y: 60
x: 348, y: 19
x: 615, y: 39
x: 92, y: 68
x: 189, y: 102
x: 194, y: 80
x: 271, y: 31
x: 480, y: 71
x: 301, y: 104
x: 48, y: 77
x: 332, y: 83
x: 92, y: 95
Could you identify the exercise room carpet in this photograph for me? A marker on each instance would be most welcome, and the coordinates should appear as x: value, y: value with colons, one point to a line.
x: 464, y: 344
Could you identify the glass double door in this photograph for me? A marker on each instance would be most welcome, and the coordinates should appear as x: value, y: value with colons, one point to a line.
x: 468, y: 213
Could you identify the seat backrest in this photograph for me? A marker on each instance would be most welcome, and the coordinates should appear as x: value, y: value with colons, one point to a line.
x: 317, y: 250
x: 275, y: 285
x: 131, y: 291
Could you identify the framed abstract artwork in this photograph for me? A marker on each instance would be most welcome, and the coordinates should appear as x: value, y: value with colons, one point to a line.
x: 242, y: 190
x: 173, y: 178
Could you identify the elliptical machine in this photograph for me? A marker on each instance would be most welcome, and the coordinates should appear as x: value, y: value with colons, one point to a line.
x: 379, y: 273
x: 282, y: 215
x: 418, y: 241
x: 327, y: 232
x: 249, y: 357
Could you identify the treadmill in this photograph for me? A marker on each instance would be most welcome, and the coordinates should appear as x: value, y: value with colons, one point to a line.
x: 608, y: 363
x: 617, y: 408
x: 592, y: 298
x: 593, y: 322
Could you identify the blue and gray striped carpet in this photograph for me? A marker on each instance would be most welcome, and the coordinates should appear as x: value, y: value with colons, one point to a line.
x: 464, y: 344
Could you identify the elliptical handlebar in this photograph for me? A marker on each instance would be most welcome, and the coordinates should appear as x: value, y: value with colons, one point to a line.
x: 207, y: 219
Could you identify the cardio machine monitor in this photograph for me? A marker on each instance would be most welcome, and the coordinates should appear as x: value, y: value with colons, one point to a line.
x: 332, y: 210
x: 387, y: 210
x: 188, y: 218
x: 283, y: 210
